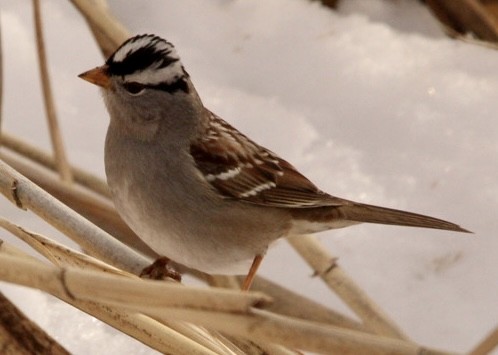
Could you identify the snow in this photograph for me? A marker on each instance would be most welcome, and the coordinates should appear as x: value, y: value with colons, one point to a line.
x: 372, y: 103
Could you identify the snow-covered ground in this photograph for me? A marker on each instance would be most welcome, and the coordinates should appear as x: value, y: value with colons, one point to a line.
x: 372, y: 103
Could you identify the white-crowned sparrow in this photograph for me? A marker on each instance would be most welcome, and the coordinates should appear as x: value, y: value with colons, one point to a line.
x: 194, y: 188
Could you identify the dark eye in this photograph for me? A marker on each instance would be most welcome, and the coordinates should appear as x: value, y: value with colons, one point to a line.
x: 134, y: 88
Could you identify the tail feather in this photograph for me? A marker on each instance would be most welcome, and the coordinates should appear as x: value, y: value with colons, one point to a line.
x: 359, y: 212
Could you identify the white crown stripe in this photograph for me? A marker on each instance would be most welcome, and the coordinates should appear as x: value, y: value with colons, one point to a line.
x: 141, y: 42
x: 154, y: 76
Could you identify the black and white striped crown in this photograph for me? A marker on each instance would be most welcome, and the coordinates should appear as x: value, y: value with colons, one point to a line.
x: 151, y: 61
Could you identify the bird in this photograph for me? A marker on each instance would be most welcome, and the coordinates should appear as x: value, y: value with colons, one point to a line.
x: 194, y: 188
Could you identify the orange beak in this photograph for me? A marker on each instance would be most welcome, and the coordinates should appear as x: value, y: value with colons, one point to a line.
x: 97, y: 76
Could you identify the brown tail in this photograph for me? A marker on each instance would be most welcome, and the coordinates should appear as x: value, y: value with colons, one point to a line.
x: 359, y: 212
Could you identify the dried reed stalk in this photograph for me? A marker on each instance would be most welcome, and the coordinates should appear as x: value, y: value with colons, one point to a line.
x: 95, y: 241
x: 43, y: 158
x: 61, y: 255
x: 20, y: 335
x: 57, y: 253
x: 99, y: 211
x: 487, y: 345
x: 1, y: 78
x: 147, y: 296
x: 55, y: 134
x: 462, y: 17
x: 309, y: 336
x: 192, y: 332
x: 142, y: 328
x: 336, y: 279
x: 288, y: 303
x: 231, y: 312
x: 108, y: 32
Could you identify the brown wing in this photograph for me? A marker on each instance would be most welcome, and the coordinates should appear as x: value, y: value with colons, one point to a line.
x: 239, y: 168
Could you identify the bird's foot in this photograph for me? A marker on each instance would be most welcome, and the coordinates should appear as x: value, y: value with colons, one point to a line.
x: 161, y: 269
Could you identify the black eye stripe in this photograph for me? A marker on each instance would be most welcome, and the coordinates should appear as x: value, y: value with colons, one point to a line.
x: 178, y: 85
